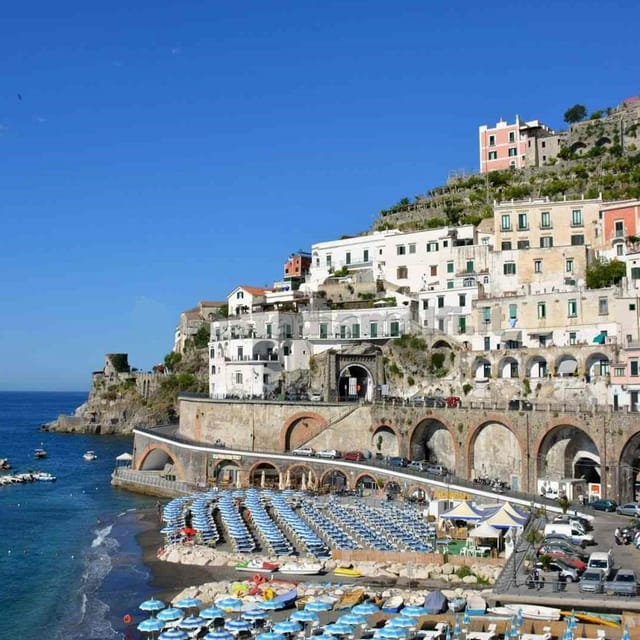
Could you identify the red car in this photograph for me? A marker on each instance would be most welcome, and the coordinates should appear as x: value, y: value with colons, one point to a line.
x: 354, y: 456
x: 576, y: 563
x: 453, y: 402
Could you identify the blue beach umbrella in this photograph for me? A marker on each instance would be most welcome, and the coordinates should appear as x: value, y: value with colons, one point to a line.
x: 353, y: 618
x: 270, y: 635
x: 151, y: 625
x: 338, y: 629
x: 456, y: 628
x: 405, y: 622
x: 211, y: 613
x: 173, y: 634
x: 466, y: 619
x: 324, y: 636
x: 519, y: 618
x: 221, y: 634
x: 319, y: 605
x: 255, y: 614
x: 304, y: 615
x: 153, y: 604
x: 625, y: 633
x: 230, y: 604
x: 287, y: 626
x: 192, y: 622
x: 367, y: 608
x: 237, y: 624
x: 188, y: 603
x: 392, y: 633
x: 170, y: 614
x: 271, y: 605
x: 413, y: 610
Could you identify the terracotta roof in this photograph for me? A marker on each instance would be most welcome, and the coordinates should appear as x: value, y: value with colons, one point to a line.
x: 211, y: 303
x: 255, y: 291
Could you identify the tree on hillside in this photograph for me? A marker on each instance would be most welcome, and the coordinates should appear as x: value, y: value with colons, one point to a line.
x: 577, y: 113
x: 604, y: 273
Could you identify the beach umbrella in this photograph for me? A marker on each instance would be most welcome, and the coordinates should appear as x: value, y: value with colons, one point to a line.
x: 324, y: 636
x: 625, y: 633
x: 304, y: 615
x: 466, y: 619
x: 320, y: 605
x: 352, y: 618
x: 369, y: 607
x: 519, y: 618
x: 192, y: 622
x: 338, y: 629
x: 456, y: 627
x: 406, y: 622
x: 255, y: 614
x: 392, y: 633
x: 287, y: 626
x: 413, y: 610
x: 170, y: 614
x: 230, y: 604
x: 220, y: 634
x: 153, y: 604
x: 270, y: 635
x: 271, y: 605
x: 173, y: 634
x: 188, y: 603
x: 237, y: 624
x: 151, y: 625
x: 211, y: 613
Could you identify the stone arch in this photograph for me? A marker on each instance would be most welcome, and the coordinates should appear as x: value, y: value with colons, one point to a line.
x: 389, y: 439
x: 629, y: 469
x: 578, y: 147
x: 297, y: 476
x: 300, y: 428
x: 156, y: 457
x: 392, y: 487
x: 224, y: 472
x: 603, y: 141
x: 566, y: 364
x: 264, y: 473
x: 366, y: 482
x: 433, y: 438
x: 334, y: 480
x: 440, y: 343
x: 565, y: 450
x: 481, y: 368
x: 496, y: 440
x: 508, y: 367
x: 355, y: 381
x: 596, y: 365
x: 264, y: 349
x: 536, y: 367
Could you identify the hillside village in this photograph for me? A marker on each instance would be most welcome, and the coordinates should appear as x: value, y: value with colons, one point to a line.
x: 520, y: 282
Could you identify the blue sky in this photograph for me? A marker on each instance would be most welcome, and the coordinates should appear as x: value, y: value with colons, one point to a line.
x: 157, y: 154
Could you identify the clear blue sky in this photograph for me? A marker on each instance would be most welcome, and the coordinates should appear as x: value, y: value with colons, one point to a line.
x: 156, y: 154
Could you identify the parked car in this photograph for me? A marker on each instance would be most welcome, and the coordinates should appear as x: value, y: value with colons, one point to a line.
x: 604, y: 505
x: 563, y: 545
x: 572, y: 561
x: 315, y: 397
x: 592, y: 581
x: 397, y: 461
x: 624, y: 583
x: 453, y: 402
x: 329, y: 453
x: 566, y: 571
x: 520, y: 405
x: 417, y: 465
x: 628, y: 509
x: 601, y: 561
x: 303, y: 451
x: 437, y: 470
x: 353, y: 456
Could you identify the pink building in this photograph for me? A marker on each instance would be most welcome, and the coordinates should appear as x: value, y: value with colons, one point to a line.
x: 508, y: 146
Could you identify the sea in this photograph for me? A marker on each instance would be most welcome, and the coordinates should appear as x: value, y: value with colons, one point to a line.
x: 69, y: 564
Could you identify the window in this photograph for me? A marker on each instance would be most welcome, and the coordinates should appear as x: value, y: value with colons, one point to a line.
x: 213, y: 369
x: 577, y: 240
x: 576, y: 218
x: 433, y: 270
x: 568, y: 265
x: 343, y: 331
x: 425, y: 303
x: 212, y: 353
x: 365, y: 255
x: 238, y: 377
x: 546, y: 242
x: 347, y: 257
x: 239, y: 295
x: 432, y: 246
x: 402, y: 273
x: 440, y: 302
x: 513, y: 312
x: 506, y: 246
x: 487, y: 343
x: 401, y: 250
x: 512, y: 136
x: 523, y: 244
x: 269, y: 329
x: 323, y: 330
x: 523, y: 223
x: 286, y: 350
x: 462, y: 300
x: 572, y: 337
x: 240, y: 353
x: 545, y: 220
x: 542, y: 310
x: 469, y: 266
x: 462, y: 325
x: 450, y: 284
x: 355, y: 330
x: 373, y: 329
x: 619, y: 228
x: 394, y: 329
x: 505, y: 222
x: 468, y: 282
x: 440, y: 324
x: 492, y: 141
x: 449, y: 267
x: 633, y: 368
x: 445, y: 243
x: 635, y: 273
x: 632, y: 307
x: 512, y: 152
x: 603, y: 306
x: 509, y: 268
x: 618, y: 371
x: 619, y: 249
x: 328, y: 260
x: 486, y: 314
x: 537, y: 266
x: 265, y: 378
x: 412, y: 247
x: 572, y: 308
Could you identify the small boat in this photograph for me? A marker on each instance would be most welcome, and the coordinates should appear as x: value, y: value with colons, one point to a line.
x: 476, y: 605
x: 287, y: 598
x: 90, y: 455
x: 534, y: 612
x: 435, y: 602
x: 257, y: 566
x: 302, y: 568
x: 40, y: 453
x: 605, y: 619
x: 393, y: 604
x: 4, y: 464
x: 44, y: 476
x: 350, y: 599
x: 349, y: 572
x: 457, y: 604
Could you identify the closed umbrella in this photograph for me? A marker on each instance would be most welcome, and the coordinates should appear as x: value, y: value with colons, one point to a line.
x: 153, y: 604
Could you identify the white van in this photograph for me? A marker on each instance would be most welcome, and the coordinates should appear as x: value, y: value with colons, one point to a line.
x: 601, y: 561
x: 570, y: 532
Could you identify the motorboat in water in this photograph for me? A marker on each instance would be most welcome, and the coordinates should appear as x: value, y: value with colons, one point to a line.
x: 90, y: 455
x: 44, y: 476
x: 5, y: 465
x: 40, y: 453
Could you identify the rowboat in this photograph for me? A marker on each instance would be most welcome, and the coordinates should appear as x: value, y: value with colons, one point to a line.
x: 457, y: 604
x: 606, y: 619
x: 476, y: 605
x: 349, y: 599
x: 534, y: 612
x: 393, y: 604
x: 302, y: 568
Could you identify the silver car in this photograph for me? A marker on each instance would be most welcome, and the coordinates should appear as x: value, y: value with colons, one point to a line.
x: 624, y: 583
x: 592, y: 581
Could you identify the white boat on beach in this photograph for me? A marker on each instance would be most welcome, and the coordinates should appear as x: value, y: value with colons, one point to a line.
x: 528, y: 611
x: 90, y: 455
x: 393, y: 604
x: 257, y: 566
x: 476, y: 605
x: 302, y: 568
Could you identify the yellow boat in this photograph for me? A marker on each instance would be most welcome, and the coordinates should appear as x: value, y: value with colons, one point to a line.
x: 349, y: 572
x: 595, y: 618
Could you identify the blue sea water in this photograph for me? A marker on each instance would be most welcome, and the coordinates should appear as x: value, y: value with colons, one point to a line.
x: 69, y: 564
